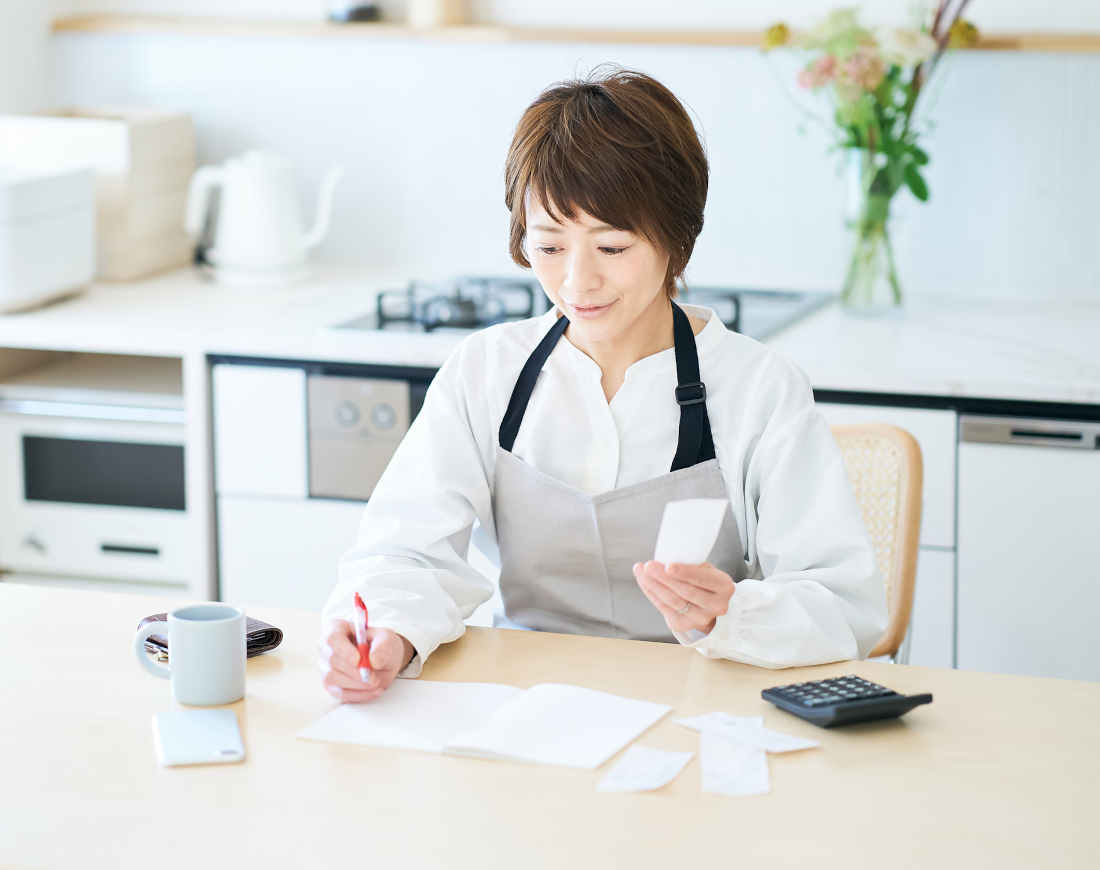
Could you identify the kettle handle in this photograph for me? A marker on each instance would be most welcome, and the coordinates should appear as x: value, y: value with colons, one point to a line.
x: 324, y: 206
x: 198, y: 197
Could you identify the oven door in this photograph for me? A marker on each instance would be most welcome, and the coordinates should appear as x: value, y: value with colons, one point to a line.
x: 92, y: 498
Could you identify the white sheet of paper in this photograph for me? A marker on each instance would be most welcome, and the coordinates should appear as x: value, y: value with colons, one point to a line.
x: 689, y: 529
x: 643, y: 768
x: 412, y: 714
x: 732, y: 769
x: 555, y: 724
x: 747, y: 731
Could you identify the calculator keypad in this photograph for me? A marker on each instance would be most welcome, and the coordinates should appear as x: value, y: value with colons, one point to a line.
x: 837, y: 690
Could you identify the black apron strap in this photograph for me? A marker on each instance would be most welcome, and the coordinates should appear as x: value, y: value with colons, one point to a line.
x: 525, y: 385
x: 695, y: 443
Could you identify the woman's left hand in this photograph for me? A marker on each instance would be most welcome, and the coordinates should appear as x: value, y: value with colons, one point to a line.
x: 672, y: 588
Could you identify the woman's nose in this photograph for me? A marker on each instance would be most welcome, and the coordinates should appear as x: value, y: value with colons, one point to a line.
x: 581, y: 274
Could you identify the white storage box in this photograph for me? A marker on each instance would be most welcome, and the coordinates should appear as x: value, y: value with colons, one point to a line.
x: 143, y: 161
x: 47, y: 235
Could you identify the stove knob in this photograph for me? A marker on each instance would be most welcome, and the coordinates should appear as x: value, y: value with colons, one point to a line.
x: 383, y: 416
x: 347, y: 414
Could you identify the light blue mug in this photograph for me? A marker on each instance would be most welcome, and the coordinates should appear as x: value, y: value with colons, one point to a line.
x: 206, y: 653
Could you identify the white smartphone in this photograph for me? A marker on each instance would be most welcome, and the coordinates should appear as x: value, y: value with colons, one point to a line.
x: 197, y: 737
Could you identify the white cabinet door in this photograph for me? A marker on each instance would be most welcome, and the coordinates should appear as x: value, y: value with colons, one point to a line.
x: 1029, y: 586
x: 260, y: 430
x: 283, y: 552
x: 935, y: 432
x: 932, y: 622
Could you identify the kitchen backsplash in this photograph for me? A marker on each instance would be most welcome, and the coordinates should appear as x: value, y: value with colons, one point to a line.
x: 422, y: 129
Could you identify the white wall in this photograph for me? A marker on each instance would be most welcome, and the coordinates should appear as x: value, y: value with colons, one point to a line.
x: 993, y: 15
x: 26, y: 52
x: 423, y: 127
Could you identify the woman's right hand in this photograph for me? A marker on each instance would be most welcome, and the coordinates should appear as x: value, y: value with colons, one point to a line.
x: 389, y: 653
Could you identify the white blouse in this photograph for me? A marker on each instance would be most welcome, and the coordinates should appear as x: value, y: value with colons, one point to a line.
x: 813, y: 593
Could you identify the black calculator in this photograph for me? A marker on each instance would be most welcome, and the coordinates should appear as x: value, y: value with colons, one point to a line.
x: 842, y: 701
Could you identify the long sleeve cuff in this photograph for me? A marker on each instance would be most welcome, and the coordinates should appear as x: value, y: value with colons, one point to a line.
x: 722, y: 639
x: 777, y: 625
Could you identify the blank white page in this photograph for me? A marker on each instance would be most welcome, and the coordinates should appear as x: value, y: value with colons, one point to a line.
x: 412, y: 714
x: 555, y: 724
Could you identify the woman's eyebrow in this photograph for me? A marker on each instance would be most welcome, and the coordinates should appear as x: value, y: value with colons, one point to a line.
x: 556, y: 228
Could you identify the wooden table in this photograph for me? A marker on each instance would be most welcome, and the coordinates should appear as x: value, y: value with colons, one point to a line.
x: 999, y: 771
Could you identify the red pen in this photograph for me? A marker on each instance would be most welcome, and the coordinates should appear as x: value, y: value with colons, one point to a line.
x: 361, y: 638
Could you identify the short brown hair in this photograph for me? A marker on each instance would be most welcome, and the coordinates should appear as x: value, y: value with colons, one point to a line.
x: 619, y: 146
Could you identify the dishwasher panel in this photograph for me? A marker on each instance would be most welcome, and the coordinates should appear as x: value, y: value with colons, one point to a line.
x: 1029, y: 547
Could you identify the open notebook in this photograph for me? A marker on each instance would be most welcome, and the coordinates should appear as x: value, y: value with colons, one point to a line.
x: 546, y: 724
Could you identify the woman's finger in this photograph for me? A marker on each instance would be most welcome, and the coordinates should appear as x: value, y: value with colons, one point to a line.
x: 714, y: 595
x: 340, y: 638
x: 699, y: 597
x: 353, y: 696
x: 666, y: 596
x: 683, y: 591
x: 705, y: 576
x: 700, y: 616
x: 644, y: 583
x: 386, y: 650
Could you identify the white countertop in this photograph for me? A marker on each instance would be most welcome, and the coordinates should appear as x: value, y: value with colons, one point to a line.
x: 942, y: 346
x: 1038, y: 351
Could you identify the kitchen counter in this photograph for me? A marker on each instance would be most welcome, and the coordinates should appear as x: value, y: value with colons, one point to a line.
x: 942, y: 346
x: 942, y: 351
x: 180, y: 314
x: 966, y: 348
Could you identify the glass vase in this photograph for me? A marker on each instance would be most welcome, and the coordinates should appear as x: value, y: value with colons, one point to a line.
x: 871, y: 284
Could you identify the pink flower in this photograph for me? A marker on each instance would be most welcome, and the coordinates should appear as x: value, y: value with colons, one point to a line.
x: 820, y: 72
x: 864, y: 67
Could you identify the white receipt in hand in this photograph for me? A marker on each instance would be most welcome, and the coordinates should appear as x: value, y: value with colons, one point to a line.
x: 689, y: 529
x: 643, y: 768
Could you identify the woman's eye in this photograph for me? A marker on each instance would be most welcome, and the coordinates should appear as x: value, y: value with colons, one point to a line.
x: 543, y: 249
x: 612, y: 250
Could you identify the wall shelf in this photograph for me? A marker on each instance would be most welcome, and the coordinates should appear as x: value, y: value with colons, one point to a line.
x: 1049, y: 42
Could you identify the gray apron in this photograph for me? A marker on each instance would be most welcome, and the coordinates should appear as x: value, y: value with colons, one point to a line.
x: 567, y: 557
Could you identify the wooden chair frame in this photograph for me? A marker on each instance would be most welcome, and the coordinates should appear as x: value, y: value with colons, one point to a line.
x: 907, y: 534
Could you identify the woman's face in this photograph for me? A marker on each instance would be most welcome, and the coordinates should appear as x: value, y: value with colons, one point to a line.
x: 601, y: 278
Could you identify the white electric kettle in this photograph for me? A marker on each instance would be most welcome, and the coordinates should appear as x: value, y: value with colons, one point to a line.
x: 259, y: 237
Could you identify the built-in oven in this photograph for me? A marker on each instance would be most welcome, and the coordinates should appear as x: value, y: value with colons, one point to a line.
x: 298, y: 449
x: 92, y: 480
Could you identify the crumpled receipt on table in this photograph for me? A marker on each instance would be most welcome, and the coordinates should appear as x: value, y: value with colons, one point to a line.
x: 643, y: 768
x: 732, y: 769
x: 735, y: 751
x: 746, y: 731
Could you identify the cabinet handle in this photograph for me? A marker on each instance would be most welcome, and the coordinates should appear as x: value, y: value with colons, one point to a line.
x: 1029, y: 432
x: 83, y: 411
x: 133, y: 551
x: 1056, y: 437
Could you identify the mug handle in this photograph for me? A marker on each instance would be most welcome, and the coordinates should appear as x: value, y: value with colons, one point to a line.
x: 139, y: 648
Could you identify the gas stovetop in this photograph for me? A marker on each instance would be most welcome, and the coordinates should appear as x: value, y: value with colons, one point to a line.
x: 475, y: 302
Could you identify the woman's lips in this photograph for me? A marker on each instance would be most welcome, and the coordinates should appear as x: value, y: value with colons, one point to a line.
x: 588, y: 312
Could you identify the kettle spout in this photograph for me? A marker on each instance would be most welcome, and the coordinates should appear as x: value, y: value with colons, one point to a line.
x: 324, y: 207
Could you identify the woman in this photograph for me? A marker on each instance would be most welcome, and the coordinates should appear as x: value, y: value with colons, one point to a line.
x: 566, y: 435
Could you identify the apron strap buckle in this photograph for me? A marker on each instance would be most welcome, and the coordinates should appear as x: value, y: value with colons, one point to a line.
x: 691, y: 394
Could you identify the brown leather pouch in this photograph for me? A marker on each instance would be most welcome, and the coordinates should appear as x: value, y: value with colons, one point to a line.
x: 260, y: 636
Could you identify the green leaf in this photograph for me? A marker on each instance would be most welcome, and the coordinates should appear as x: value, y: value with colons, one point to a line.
x: 916, y: 182
x: 919, y: 157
